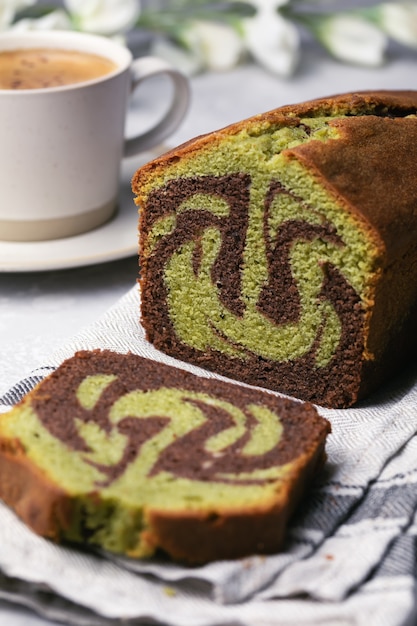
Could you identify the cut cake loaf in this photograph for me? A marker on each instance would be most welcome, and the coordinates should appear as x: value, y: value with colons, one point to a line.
x: 282, y: 250
x: 134, y: 456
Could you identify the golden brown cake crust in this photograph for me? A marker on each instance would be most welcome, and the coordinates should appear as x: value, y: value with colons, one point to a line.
x: 37, y: 500
x: 377, y: 153
x: 378, y: 135
x: 380, y: 103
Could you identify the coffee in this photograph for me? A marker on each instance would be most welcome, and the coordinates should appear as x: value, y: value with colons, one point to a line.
x: 41, y: 68
x: 61, y: 147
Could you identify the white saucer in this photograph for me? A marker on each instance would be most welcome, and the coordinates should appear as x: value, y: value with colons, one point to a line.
x: 117, y: 239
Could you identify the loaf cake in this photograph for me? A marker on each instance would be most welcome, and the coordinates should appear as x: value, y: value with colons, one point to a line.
x: 135, y: 456
x: 282, y: 250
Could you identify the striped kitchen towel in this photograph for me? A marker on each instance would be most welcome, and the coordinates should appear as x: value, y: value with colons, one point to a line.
x: 349, y: 558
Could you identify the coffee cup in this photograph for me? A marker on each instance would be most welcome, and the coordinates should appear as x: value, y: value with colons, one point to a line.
x: 63, y: 109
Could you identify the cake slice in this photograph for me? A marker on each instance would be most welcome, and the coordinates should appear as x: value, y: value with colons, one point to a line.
x: 133, y: 456
x: 282, y: 250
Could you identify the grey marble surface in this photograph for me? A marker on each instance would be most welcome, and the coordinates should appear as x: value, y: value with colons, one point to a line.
x: 40, y: 310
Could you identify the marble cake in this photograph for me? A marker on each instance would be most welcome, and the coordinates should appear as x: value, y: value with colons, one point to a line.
x: 282, y: 250
x: 134, y: 456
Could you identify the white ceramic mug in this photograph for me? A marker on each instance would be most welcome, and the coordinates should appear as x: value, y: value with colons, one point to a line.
x: 61, y: 147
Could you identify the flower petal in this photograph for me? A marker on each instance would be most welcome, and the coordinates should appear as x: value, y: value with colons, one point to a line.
x: 56, y: 20
x: 263, y: 5
x: 219, y: 45
x: 8, y: 10
x: 353, y: 39
x: 273, y: 41
x: 399, y: 21
x: 105, y: 17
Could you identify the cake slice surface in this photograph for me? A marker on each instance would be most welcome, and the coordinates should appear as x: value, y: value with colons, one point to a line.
x: 133, y: 456
x: 281, y: 250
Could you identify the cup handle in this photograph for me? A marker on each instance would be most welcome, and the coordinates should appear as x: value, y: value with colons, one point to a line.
x: 144, y: 68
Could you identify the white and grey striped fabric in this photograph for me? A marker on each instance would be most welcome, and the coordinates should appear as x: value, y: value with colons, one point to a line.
x: 350, y: 558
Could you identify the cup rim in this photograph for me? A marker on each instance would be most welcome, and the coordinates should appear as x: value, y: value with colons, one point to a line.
x: 67, y: 40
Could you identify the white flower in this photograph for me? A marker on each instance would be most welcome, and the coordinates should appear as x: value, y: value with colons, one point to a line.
x: 205, y: 45
x: 353, y: 39
x: 267, y: 5
x: 399, y: 21
x: 217, y: 45
x: 8, y: 10
x: 56, y: 20
x: 272, y: 40
x: 104, y: 17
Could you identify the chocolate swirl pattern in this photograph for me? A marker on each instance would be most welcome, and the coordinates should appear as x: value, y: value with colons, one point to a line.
x: 143, y: 427
x: 285, y: 303
x: 223, y: 442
